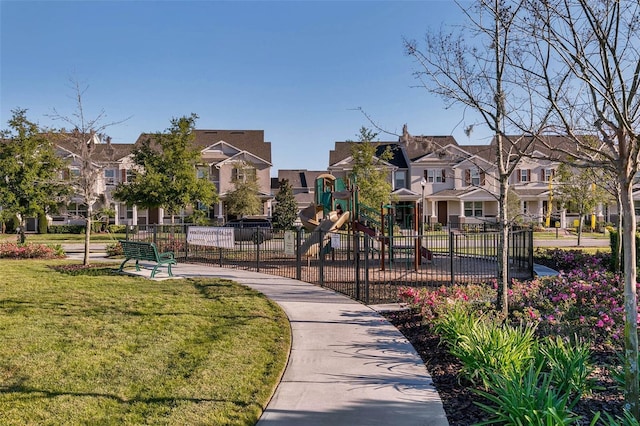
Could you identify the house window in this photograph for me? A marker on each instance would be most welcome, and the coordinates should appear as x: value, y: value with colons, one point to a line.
x: 129, y: 174
x: 129, y: 212
x: 109, y: 177
x: 79, y: 210
x: 548, y: 175
x: 524, y: 175
x: 201, y: 173
x: 400, y: 179
x: 473, y: 208
x: 475, y: 177
x: 244, y: 174
x: 435, y: 175
x: 525, y: 207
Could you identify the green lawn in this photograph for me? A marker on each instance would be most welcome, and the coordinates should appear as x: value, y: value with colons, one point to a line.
x: 111, y: 350
x: 64, y: 238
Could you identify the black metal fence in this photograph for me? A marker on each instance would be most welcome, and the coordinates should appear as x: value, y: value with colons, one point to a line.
x: 368, y: 269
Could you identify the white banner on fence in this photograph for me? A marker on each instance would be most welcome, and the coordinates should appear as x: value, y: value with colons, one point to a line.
x: 289, y: 243
x: 210, y: 236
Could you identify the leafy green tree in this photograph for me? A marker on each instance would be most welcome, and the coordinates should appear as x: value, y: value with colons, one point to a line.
x: 168, y: 176
x: 244, y: 200
x: 370, y: 174
x: 580, y: 189
x: 286, y: 209
x: 29, y: 171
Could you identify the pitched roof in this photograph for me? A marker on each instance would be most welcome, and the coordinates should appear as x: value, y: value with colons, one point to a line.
x: 342, y: 151
x: 103, y: 151
x: 246, y: 140
x: 299, y: 178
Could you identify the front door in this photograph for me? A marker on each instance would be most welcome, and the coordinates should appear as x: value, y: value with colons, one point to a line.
x: 154, y: 216
x: 442, y: 213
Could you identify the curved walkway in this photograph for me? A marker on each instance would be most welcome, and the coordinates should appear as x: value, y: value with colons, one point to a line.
x: 348, y: 365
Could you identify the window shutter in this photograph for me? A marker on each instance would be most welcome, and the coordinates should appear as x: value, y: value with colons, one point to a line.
x: 66, y: 174
x: 443, y: 175
x: 467, y: 177
x: 518, y: 175
x: 123, y: 174
x: 426, y: 175
x: 542, y: 175
x: 482, y: 174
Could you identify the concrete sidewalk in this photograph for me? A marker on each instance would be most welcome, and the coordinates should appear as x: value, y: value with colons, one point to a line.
x: 348, y: 365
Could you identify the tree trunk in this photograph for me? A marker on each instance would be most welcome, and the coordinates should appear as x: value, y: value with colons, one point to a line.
x: 87, y: 237
x: 21, y: 235
x: 618, y: 266
x: 580, y: 219
x: 632, y: 386
x: 502, y: 303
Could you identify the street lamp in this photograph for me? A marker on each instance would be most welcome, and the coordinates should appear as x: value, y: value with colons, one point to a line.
x: 423, y: 183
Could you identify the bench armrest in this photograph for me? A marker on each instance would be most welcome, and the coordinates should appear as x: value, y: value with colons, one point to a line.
x: 167, y: 255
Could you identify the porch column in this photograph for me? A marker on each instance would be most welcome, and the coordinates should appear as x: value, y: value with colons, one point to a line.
x: 461, y: 208
x: 220, y: 205
x: 563, y: 218
x: 434, y: 214
x: 116, y: 219
x: 541, y: 217
x: 134, y: 219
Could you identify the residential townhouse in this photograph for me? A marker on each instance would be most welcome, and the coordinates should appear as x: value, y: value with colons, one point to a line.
x: 450, y: 184
x: 225, y: 155
x: 431, y: 176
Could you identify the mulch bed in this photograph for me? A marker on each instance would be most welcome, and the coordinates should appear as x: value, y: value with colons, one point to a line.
x: 456, y: 393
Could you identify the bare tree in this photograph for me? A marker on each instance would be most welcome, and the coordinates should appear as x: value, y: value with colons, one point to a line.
x: 480, y: 66
x: 597, y: 43
x: 87, y: 133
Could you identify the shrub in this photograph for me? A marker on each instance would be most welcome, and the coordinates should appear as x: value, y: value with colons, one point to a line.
x: 529, y: 399
x: 114, y: 249
x: 42, y: 223
x: 66, y: 229
x: 30, y: 251
x: 117, y: 229
x: 568, y: 260
x: 490, y: 348
x: 569, y: 365
x: 432, y: 302
x: 589, y: 304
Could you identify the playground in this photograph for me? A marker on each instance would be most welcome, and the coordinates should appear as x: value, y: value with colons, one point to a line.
x: 357, y: 250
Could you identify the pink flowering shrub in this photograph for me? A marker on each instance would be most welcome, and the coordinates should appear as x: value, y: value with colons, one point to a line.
x: 585, y: 300
x: 30, y: 251
x: 587, y: 303
x: 431, y: 302
x: 568, y: 260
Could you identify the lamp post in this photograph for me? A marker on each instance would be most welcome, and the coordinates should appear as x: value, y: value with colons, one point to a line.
x: 423, y: 183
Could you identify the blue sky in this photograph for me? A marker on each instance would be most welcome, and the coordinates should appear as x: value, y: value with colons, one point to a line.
x: 297, y: 69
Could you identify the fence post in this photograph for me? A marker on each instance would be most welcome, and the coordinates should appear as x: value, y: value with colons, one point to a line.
x: 185, y: 229
x: 451, y: 253
x: 321, y: 258
x: 367, y: 241
x: 298, y: 253
x: 257, y: 242
x: 356, y: 248
x: 531, y: 252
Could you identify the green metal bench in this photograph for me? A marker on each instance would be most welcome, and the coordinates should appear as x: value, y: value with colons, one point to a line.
x: 140, y: 250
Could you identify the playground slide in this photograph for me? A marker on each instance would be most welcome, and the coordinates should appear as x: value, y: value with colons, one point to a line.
x: 312, y: 245
x: 308, y: 217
